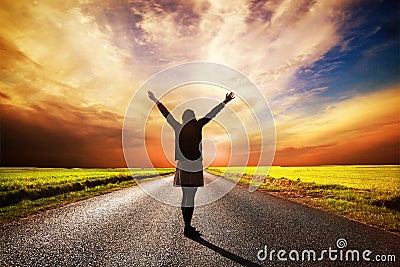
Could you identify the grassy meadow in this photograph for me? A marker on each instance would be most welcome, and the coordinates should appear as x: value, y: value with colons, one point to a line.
x: 24, y: 191
x: 370, y: 194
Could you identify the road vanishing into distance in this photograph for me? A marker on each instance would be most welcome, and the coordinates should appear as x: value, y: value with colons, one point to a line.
x: 130, y: 228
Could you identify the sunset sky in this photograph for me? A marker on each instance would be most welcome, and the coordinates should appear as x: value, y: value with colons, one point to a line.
x: 328, y: 69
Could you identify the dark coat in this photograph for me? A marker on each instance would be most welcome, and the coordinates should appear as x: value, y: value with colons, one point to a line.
x: 188, y: 149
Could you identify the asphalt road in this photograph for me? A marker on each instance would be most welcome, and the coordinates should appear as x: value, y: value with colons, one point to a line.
x: 130, y: 228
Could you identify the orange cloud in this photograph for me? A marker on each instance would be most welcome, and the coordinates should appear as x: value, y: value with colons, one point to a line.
x: 55, y: 134
x: 69, y: 69
x: 362, y: 130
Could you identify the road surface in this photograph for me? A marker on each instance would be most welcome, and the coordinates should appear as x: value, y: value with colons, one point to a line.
x: 130, y: 228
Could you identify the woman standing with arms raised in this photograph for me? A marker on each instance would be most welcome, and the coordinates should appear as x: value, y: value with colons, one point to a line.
x: 188, y: 153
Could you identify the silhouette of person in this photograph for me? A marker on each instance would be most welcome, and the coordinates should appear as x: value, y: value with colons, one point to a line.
x: 188, y: 153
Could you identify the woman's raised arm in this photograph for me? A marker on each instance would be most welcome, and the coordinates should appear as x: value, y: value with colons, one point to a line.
x: 164, y: 111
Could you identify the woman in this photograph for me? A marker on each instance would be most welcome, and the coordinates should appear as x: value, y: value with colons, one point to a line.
x: 188, y: 153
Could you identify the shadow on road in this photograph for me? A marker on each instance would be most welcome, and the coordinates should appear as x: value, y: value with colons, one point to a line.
x: 224, y: 252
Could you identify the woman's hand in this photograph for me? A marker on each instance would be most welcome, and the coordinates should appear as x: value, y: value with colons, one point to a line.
x: 229, y: 97
x: 152, y: 96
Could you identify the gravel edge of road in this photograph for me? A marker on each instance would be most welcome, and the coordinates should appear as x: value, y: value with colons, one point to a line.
x: 296, y: 200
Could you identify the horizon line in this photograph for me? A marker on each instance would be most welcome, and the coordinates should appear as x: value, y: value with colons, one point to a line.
x: 172, y: 167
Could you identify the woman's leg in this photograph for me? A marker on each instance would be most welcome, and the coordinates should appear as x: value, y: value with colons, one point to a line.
x: 187, y: 205
x: 188, y: 194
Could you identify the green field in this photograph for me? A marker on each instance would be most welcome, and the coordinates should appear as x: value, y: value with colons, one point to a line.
x: 24, y: 191
x: 370, y: 194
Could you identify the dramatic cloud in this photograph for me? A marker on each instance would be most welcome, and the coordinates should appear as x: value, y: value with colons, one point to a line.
x: 60, y: 135
x: 329, y: 70
x: 362, y: 130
